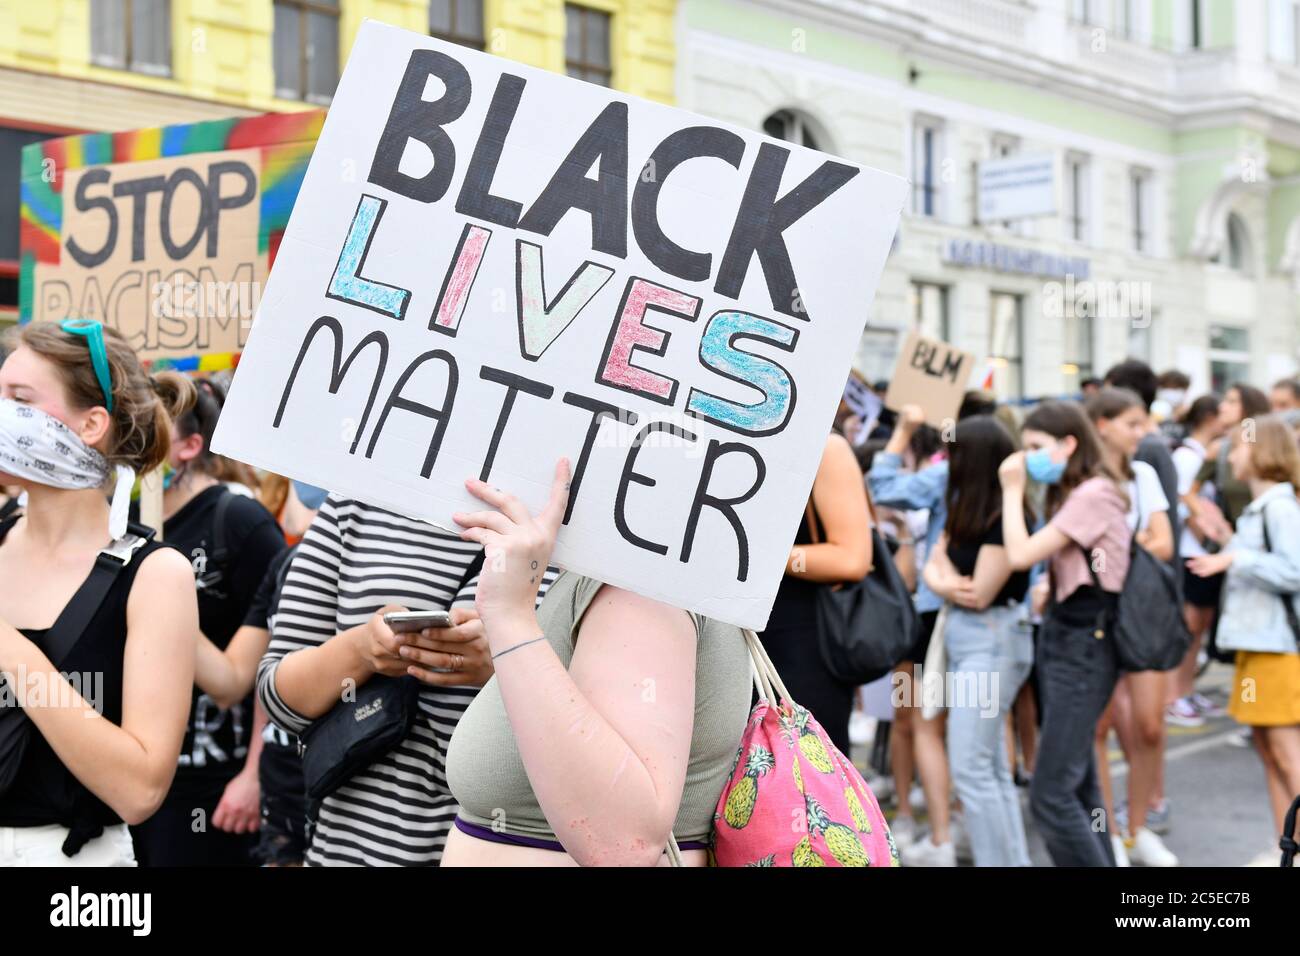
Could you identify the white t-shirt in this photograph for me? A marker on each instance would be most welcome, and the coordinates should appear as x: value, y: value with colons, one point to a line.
x: 1144, y: 489
x: 1188, y: 459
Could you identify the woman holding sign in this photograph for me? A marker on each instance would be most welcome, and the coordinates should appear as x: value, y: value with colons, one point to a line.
x: 96, y: 622
x: 1085, y: 542
x: 611, y: 720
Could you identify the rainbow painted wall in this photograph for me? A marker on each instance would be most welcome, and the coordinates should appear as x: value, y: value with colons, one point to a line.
x: 284, y: 142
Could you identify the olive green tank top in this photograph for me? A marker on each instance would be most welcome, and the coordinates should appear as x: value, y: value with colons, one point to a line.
x: 486, y: 774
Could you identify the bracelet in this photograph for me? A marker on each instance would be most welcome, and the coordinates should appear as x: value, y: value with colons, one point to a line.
x: 517, y: 646
x: 906, y: 542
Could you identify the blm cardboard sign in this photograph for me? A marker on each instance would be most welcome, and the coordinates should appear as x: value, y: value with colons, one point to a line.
x: 489, y: 267
x: 931, y: 374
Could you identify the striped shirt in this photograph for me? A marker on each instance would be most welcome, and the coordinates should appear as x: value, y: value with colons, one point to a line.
x: 354, y: 559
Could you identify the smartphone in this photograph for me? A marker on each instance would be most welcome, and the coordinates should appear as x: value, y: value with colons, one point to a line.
x: 405, y: 622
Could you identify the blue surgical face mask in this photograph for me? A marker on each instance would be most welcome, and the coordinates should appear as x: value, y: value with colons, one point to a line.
x: 1042, y: 469
x: 310, y: 496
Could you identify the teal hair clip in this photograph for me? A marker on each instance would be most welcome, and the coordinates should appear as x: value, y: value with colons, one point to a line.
x: 93, y: 331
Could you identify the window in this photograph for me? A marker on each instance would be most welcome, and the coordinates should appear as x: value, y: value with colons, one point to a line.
x: 1197, y: 25
x: 457, y: 21
x: 926, y: 136
x: 1080, y: 339
x: 586, y: 45
x: 306, y: 50
x: 1239, y: 249
x: 132, y: 35
x: 1140, y: 197
x: 1006, y: 342
x: 1139, y: 338
x: 1229, y: 356
x: 1076, y: 198
x: 930, y: 310
x: 1282, y: 26
x: 791, y: 127
x: 1126, y: 22
x: 1083, y: 11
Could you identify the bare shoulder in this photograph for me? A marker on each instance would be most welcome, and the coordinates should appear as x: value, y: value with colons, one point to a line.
x: 164, y: 571
x: 625, y: 609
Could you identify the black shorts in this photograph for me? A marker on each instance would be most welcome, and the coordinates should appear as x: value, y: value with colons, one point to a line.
x: 924, y: 628
x: 1202, y: 592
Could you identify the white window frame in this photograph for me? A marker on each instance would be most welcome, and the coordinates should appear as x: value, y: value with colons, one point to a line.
x: 1229, y: 356
x: 1284, y: 31
x: 1141, y: 208
x: 938, y: 195
x: 1076, y: 224
x: 916, y: 293
x: 1080, y: 327
x: 1004, y: 361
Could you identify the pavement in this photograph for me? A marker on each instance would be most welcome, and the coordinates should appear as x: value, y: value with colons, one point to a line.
x: 1220, y: 812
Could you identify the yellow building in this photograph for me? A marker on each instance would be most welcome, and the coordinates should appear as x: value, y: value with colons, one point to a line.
x: 69, y: 66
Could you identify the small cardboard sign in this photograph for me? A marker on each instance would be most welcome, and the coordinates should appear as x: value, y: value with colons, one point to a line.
x: 932, y: 374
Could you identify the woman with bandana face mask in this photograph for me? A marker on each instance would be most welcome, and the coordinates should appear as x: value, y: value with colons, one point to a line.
x: 78, y: 417
x: 1086, y: 534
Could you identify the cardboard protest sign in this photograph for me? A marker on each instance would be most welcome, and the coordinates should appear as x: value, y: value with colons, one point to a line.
x: 527, y: 266
x: 932, y: 374
x: 164, y: 234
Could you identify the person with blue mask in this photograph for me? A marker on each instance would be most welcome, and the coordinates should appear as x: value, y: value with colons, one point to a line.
x: 1086, y: 545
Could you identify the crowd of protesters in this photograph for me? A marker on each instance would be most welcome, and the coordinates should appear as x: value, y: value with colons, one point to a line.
x: 221, y: 654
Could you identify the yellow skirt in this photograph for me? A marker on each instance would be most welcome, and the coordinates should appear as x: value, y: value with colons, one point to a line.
x: 1266, y: 691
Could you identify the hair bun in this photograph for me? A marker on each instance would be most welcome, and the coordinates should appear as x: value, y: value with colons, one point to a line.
x: 176, y: 392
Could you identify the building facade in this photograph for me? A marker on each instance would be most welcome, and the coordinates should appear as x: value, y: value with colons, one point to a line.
x: 72, y: 66
x: 1170, y: 130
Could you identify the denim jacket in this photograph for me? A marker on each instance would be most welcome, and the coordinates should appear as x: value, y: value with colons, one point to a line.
x: 1257, y: 582
x: 892, y: 487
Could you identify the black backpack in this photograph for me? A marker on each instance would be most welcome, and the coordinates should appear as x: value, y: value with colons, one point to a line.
x: 864, y: 628
x: 1147, y: 624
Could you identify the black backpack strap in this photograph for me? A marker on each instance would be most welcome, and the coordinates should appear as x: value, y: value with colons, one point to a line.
x: 85, y: 604
x: 1292, y: 620
x: 219, y: 544
x: 474, y: 567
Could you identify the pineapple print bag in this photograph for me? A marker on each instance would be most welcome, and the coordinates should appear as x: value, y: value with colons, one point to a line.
x: 793, y: 799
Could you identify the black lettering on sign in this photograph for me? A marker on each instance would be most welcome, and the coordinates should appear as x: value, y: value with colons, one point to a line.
x: 630, y: 475
x: 338, y: 369
x: 514, y: 385
x: 139, y: 190
x: 599, y: 410
x: 762, y: 219
x: 936, y: 361
x: 603, y: 198
x: 476, y: 197
x: 207, y: 216
x: 412, y: 117
x: 85, y: 203
x: 441, y: 414
x: 220, y: 202
x: 727, y: 506
x: 677, y: 148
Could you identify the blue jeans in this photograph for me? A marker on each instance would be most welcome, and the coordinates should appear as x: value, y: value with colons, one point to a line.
x: 990, y: 654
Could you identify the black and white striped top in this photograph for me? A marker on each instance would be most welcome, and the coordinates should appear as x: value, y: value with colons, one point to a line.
x: 354, y: 559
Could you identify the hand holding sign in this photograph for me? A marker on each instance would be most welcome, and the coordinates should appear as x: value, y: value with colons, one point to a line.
x: 517, y: 547
x: 931, y: 375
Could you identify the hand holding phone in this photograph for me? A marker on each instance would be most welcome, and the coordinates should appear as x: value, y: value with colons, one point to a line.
x: 408, y: 622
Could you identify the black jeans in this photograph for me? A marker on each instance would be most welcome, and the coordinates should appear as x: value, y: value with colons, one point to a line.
x: 1076, y: 675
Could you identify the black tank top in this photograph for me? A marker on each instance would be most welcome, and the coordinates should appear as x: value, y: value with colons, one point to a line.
x: 45, y: 791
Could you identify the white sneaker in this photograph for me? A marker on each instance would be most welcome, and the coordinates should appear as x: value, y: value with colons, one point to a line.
x: 1267, y: 858
x: 960, y: 840
x: 1147, y: 849
x: 1117, y: 846
x: 904, y: 831
x: 925, y: 853
x: 861, y: 728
